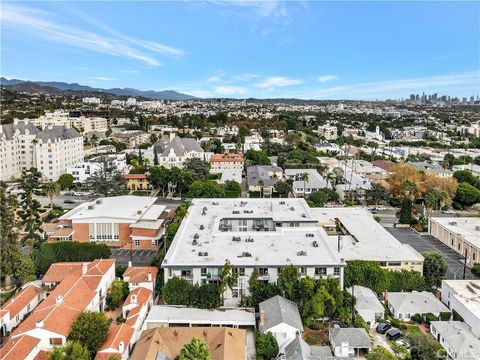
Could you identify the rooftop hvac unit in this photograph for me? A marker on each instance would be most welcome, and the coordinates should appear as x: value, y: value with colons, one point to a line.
x: 196, y: 236
x: 302, y: 253
x: 202, y: 227
x: 90, y: 207
x: 249, y: 240
x: 235, y: 212
x: 453, y: 223
x: 236, y: 238
x: 282, y: 202
x: 99, y: 201
x: 315, y: 244
x: 203, y: 253
x: 292, y: 208
x: 194, y: 242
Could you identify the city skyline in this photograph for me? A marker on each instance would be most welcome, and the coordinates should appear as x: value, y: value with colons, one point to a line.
x: 248, y: 49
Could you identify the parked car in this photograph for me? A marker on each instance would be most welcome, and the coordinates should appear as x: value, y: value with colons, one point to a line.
x: 176, y: 198
x: 404, y: 343
x: 449, y: 211
x: 69, y: 201
x: 80, y: 193
x: 69, y: 193
x: 383, y: 327
x: 394, y: 334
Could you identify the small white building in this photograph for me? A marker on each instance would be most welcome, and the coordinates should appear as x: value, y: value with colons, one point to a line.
x: 404, y: 305
x: 280, y: 316
x: 463, y: 297
x: 84, y: 169
x: 303, y: 188
x: 456, y: 338
x: 349, y: 342
x: 367, y: 305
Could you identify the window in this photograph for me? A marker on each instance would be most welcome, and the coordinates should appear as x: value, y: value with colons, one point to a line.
x: 155, y: 242
x: 263, y: 271
x: 239, y: 271
x: 203, y: 271
x: 235, y: 293
x: 103, y: 231
x: 28, y: 307
x: 302, y: 271
x: 394, y: 263
x: 336, y: 271
x: 242, y: 225
x: 186, y: 273
x: 321, y: 271
x: 137, y: 242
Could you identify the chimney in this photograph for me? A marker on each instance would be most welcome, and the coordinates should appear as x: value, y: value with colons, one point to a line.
x: 121, y: 347
x: 438, y: 294
x: 134, y: 299
x: 39, y: 324
x: 129, y: 264
x: 149, y: 276
x: 385, y: 297
x: 84, y: 268
x: 261, y: 320
x: 59, y: 299
x: 171, y: 136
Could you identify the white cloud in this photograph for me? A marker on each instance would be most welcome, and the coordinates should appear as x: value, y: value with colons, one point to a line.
x: 382, y: 89
x: 214, y: 78
x: 103, y: 78
x: 278, y: 81
x: 326, y: 78
x: 36, y: 23
x: 230, y: 90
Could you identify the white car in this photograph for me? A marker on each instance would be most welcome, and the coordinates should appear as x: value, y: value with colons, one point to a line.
x: 80, y: 193
x: 449, y: 211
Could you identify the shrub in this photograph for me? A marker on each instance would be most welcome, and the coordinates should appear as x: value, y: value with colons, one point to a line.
x: 417, y: 318
x: 266, y: 345
x: 476, y: 269
x: 445, y: 316
x: 430, y: 317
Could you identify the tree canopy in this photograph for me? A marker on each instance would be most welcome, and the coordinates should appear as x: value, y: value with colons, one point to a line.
x: 90, y: 329
x: 195, y: 350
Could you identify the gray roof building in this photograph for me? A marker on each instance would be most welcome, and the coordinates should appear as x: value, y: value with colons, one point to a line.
x: 422, y: 302
x: 180, y: 146
x: 278, y: 310
x: 456, y: 338
x: 356, y: 337
x: 262, y: 172
x: 54, y: 133
x: 21, y: 126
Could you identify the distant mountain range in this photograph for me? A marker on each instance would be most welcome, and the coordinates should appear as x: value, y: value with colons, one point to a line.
x: 53, y: 87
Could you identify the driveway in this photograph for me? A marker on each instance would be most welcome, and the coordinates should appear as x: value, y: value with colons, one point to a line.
x: 423, y: 243
x: 139, y: 257
x: 379, y: 340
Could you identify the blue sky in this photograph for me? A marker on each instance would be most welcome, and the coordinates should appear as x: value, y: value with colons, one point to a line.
x: 318, y: 50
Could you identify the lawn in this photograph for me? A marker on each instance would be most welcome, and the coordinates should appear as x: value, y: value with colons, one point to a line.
x: 412, y: 329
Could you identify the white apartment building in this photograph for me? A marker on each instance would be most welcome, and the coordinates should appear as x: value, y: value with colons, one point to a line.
x: 51, y: 150
x: 84, y: 169
x: 132, y: 138
x: 328, y: 132
x: 313, y: 181
x: 62, y: 118
x: 92, y: 100
x: 131, y: 102
x: 263, y: 234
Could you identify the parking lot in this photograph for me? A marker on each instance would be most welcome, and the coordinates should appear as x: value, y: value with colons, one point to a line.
x: 423, y: 243
x: 139, y: 257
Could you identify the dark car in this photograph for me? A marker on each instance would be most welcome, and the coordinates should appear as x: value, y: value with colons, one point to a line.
x: 383, y: 327
x: 69, y: 201
x: 394, y: 334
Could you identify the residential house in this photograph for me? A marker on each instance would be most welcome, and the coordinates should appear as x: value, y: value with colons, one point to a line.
x: 137, y: 182
x: 456, y: 338
x: 367, y: 304
x: 135, y: 309
x: 177, y: 150
x: 404, y: 305
x: 348, y: 342
x: 262, y: 178
x: 313, y: 181
x: 141, y: 276
x: 119, y: 343
x: 280, y: 316
x: 219, y: 162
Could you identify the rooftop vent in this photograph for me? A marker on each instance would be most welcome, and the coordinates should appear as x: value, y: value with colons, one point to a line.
x: 309, y: 235
x: 249, y: 239
x: 453, y: 223
x: 194, y: 242
x: 304, y: 215
x: 243, y: 203
x: 302, y: 253
x: 39, y: 324
x: 235, y: 212
x: 282, y: 202
x: 204, y: 210
x: 196, y: 236
x: 90, y: 207
x: 203, y: 253
x: 139, y: 212
x: 236, y: 238
x: 215, y: 203
x: 315, y: 244
x: 202, y: 227
x: 292, y: 208
x: 246, y: 254
x: 99, y: 201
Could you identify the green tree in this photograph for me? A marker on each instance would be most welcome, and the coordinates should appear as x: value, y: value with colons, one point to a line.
x: 283, y: 188
x: 380, y: 353
x: 197, y: 167
x: 466, y: 176
x: 467, y: 194
x: 368, y: 274
x: 177, y: 291
x: 10, y: 252
x: 159, y: 177
x: 155, y: 156
x: 255, y: 157
x: 305, y: 178
x: 228, y: 278
x: 30, y: 211
x: 320, y: 197
x: 90, y: 329
x: 232, y: 187
x: 406, y: 216
x: 25, y: 270
x: 73, y: 350
x: 107, y: 181
x: 195, y: 350
x: 116, y: 294
x: 65, y: 181
x: 261, y: 184
x: 206, y: 189
x: 434, y: 268
x: 242, y: 132
x: 266, y: 345
x: 476, y: 269
x: 287, y: 281
x: 376, y: 194
x: 51, y: 189
x: 424, y: 347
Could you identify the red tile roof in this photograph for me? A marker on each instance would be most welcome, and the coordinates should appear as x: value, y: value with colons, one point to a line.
x: 138, y: 274
x: 227, y: 158
x: 117, y: 333
x: 142, y: 294
x: 18, y: 348
x: 21, y: 299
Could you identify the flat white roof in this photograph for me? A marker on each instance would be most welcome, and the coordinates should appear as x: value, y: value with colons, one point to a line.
x: 186, y: 315
x: 283, y: 246
x: 467, y: 292
x: 466, y: 227
x: 368, y: 240
x: 126, y: 208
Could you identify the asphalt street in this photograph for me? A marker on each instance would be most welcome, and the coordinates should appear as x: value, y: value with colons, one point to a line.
x: 423, y: 243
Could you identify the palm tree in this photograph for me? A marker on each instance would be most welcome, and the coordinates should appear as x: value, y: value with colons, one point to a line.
x: 51, y: 189
x: 261, y: 183
x: 330, y: 176
x: 304, y: 177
